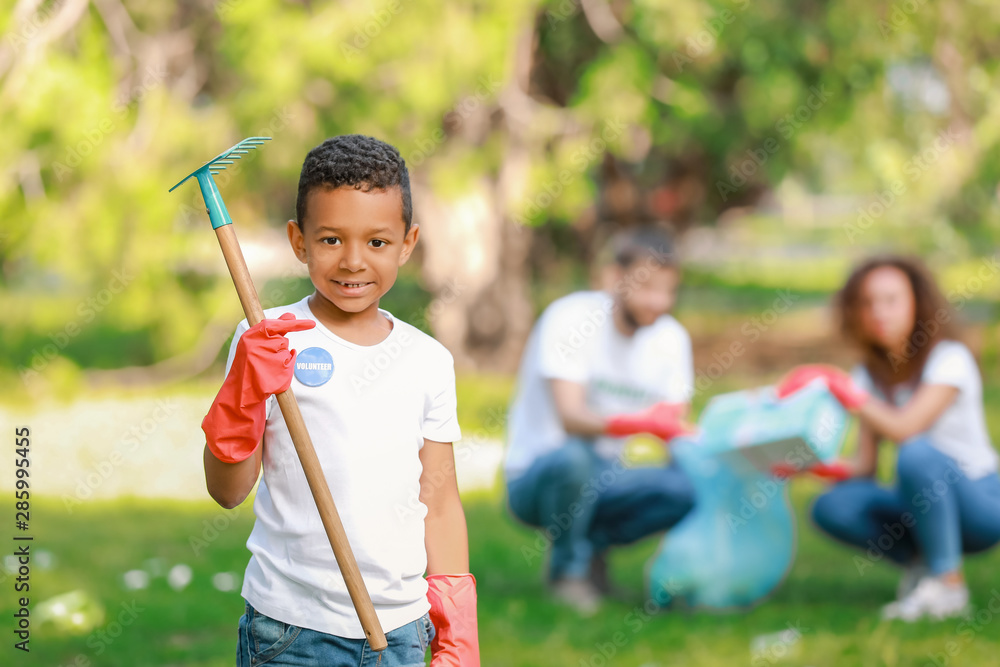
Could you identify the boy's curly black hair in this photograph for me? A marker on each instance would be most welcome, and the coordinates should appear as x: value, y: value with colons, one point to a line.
x: 354, y: 160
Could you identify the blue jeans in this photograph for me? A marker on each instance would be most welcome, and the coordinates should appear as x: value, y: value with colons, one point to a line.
x: 265, y: 641
x: 585, y: 503
x: 935, y: 512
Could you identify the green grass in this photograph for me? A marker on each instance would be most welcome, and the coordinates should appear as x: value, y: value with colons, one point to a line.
x: 835, y: 608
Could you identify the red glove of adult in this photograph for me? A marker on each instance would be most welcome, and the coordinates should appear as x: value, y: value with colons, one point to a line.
x: 662, y: 420
x: 836, y: 471
x: 262, y: 365
x: 453, y: 613
x: 843, y: 388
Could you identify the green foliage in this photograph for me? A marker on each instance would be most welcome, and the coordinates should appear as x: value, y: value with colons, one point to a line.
x: 103, y: 118
x: 520, y: 626
x: 482, y: 410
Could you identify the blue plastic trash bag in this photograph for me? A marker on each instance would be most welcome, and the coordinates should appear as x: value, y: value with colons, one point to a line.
x: 738, y: 542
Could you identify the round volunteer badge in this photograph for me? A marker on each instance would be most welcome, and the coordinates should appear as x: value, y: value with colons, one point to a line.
x: 313, y: 366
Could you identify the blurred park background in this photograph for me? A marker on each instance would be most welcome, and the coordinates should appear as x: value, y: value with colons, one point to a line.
x: 782, y: 140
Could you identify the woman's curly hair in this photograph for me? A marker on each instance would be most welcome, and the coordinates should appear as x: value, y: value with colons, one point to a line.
x: 934, y: 321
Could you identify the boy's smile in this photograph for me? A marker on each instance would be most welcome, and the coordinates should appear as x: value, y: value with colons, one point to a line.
x: 353, y: 243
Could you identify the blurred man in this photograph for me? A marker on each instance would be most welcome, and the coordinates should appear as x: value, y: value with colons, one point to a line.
x: 599, y: 366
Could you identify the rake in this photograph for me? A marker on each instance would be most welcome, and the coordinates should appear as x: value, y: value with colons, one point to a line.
x: 223, y: 226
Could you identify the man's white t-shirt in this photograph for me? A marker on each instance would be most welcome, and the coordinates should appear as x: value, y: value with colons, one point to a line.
x: 575, y: 339
x: 960, y: 431
x: 368, y: 410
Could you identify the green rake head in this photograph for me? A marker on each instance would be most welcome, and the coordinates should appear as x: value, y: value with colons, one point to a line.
x: 209, y: 190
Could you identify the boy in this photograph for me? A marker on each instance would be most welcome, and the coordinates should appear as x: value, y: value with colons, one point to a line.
x: 384, y: 441
x: 600, y: 365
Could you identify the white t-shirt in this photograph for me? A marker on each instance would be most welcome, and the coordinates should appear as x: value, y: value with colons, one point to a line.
x: 575, y: 339
x: 960, y: 431
x: 368, y: 410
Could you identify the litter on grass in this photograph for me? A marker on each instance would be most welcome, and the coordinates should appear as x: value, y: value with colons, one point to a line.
x: 74, y: 613
x: 225, y: 581
x: 136, y: 579
x: 179, y: 577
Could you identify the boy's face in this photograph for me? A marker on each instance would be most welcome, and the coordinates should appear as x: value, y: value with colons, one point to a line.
x: 645, y: 291
x: 353, y: 243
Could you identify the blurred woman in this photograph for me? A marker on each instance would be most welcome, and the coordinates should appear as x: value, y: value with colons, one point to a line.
x: 919, y: 389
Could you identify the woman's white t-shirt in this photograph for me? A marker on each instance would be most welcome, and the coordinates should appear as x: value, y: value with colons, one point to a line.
x: 368, y: 410
x: 960, y: 431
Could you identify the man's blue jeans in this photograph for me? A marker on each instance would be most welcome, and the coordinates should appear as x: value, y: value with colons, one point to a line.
x: 935, y: 512
x: 584, y: 503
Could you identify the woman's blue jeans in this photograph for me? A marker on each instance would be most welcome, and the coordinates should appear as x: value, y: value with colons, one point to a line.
x: 934, y: 512
x: 583, y: 503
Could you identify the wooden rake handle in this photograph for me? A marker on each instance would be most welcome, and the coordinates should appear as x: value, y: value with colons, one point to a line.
x: 306, y: 452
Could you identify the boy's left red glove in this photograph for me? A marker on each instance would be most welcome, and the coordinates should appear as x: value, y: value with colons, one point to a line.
x: 453, y: 613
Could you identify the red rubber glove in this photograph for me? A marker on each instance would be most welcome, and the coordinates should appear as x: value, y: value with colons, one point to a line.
x: 453, y: 613
x: 836, y: 471
x: 262, y: 365
x: 843, y: 388
x: 662, y: 420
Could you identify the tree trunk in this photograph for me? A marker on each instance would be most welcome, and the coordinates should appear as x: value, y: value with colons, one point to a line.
x: 475, y: 253
x: 475, y: 265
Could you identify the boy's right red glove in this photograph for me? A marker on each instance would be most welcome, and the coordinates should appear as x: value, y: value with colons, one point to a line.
x: 262, y: 365
x: 662, y: 420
